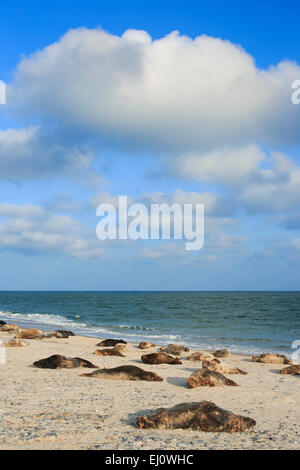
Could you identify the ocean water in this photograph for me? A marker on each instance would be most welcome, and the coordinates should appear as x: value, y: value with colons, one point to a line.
x: 245, y: 322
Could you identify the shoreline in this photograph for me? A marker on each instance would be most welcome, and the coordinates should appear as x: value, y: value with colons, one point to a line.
x: 168, y: 338
x: 58, y: 409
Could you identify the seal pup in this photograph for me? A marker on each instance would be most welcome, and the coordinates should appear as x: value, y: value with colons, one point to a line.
x: 200, y: 356
x: 293, y: 370
x: 15, y: 343
x: 204, y: 377
x: 221, y: 368
x: 146, y: 345
x: 272, y: 359
x: 159, y: 358
x: 108, y: 352
x: 110, y: 342
x: 124, y: 373
x: 31, y: 333
x: 175, y: 349
x: 62, y: 362
x: 202, y: 416
x: 221, y: 353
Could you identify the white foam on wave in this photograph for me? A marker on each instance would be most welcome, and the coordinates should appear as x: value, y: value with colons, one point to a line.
x: 41, y: 319
x: 51, y: 321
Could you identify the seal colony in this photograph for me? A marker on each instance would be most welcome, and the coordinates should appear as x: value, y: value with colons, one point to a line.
x: 200, y: 371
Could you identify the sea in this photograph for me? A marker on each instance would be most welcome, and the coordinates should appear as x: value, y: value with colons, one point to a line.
x: 244, y: 322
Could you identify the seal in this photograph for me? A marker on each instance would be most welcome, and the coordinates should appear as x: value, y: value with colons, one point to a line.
x: 64, y: 333
x: 159, y: 358
x: 272, y: 359
x: 175, y: 349
x: 200, y: 356
x: 108, y: 352
x: 197, y: 416
x: 120, y: 347
x: 221, y: 353
x: 15, y: 343
x: 2, y: 323
x: 125, y: 373
x: 110, y: 342
x: 221, y: 368
x: 31, y: 333
x: 8, y: 327
x: 292, y: 370
x: 62, y: 362
x: 146, y: 345
x: 204, y: 377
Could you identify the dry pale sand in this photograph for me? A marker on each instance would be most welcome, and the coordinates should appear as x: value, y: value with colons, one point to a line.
x: 58, y: 409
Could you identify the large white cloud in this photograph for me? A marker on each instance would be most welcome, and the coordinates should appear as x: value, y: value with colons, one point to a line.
x: 174, y: 93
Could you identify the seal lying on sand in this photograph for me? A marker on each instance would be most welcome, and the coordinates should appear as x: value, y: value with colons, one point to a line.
x: 201, y: 416
x: 293, y: 370
x: 61, y: 362
x: 125, y: 373
x: 110, y: 342
x: 221, y: 368
x: 108, y: 352
x: 146, y: 345
x: 221, y: 353
x: 120, y: 347
x: 175, y: 349
x: 272, y: 359
x: 31, y: 333
x: 203, y: 377
x: 159, y: 358
x: 15, y: 343
x: 9, y: 327
x: 200, y: 356
x: 64, y: 333
x: 2, y: 323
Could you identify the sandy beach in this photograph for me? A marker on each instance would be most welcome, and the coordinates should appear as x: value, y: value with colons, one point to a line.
x: 58, y: 409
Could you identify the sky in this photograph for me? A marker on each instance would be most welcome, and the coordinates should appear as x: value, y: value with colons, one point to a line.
x: 164, y: 102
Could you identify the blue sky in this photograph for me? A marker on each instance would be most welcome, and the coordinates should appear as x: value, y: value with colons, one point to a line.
x: 161, y: 101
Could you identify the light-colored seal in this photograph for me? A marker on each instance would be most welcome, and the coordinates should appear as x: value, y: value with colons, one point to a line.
x: 15, y: 343
x: 205, y: 377
x: 8, y: 327
x: 120, y: 347
x: 146, y: 345
x: 221, y: 368
x: 62, y: 362
x: 272, y: 359
x: 31, y: 333
x: 159, y: 358
x: 127, y: 372
x: 199, y: 356
x: 175, y: 349
x: 108, y: 352
x: 201, y: 416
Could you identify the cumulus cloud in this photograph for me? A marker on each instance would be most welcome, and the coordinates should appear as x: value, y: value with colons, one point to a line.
x: 277, y: 189
x: 165, y: 94
x: 30, y: 229
x: 30, y: 153
x: 215, y: 205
